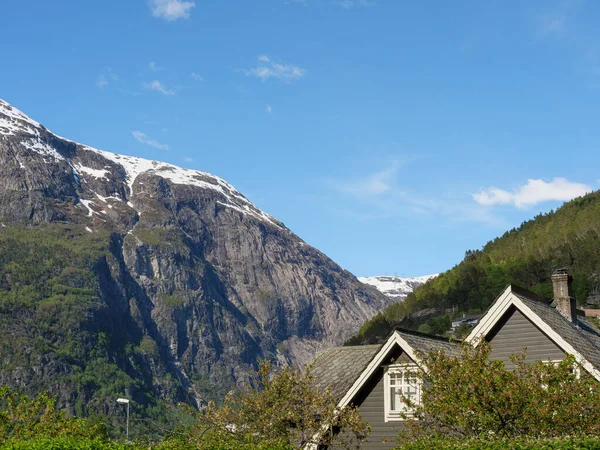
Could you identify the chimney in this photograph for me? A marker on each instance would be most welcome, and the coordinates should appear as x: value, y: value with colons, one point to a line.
x: 563, y: 298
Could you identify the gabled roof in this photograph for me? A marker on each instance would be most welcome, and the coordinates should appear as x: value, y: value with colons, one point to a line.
x: 347, y: 369
x: 339, y: 367
x: 425, y: 343
x: 579, y: 339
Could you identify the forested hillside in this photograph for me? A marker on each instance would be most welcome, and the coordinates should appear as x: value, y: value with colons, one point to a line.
x: 566, y: 238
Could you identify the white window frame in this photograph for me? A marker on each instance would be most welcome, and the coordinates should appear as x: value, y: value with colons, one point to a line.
x: 395, y: 416
x: 576, y: 369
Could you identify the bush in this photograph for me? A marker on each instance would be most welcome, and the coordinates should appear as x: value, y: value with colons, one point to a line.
x: 470, y: 396
x: 23, y: 418
x: 568, y: 443
x: 69, y: 443
x: 93, y: 444
x: 278, y: 411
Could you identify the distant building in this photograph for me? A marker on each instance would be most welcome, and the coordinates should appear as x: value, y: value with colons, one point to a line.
x: 468, y: 320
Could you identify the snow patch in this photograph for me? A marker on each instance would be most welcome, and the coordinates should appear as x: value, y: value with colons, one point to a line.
x: 96, y: 173
x: 136, y: 166
x: 21, y: 165
x: 88, y: 229
x: 106, y: 199
x: 38, y: 146
x: 396, y: 287
x: 87, y: 204
x: 13, y: 121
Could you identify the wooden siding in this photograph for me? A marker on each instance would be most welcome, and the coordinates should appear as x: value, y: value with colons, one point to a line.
x: 370, y: 404
x: 513, y: 333
x: 383, y: 434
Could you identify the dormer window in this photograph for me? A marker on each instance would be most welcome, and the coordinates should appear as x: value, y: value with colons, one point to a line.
x: 400, y: 380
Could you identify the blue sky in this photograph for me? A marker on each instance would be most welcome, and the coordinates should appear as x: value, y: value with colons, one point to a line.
x: 391, y: 135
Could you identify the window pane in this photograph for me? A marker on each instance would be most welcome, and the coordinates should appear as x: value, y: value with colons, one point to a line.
x: 403, y: 382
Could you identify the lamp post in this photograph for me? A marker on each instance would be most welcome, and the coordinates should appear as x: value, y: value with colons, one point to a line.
x: 125, y: 401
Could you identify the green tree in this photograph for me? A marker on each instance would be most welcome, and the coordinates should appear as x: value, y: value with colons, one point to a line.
x: 471, y: 396
x: 282, y: 409
x: 24, y: 418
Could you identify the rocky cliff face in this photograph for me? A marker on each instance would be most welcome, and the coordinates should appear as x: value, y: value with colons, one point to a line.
x: 192, y: 272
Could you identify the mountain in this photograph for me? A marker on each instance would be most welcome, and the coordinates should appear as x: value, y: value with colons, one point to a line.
x: 527, y: 256
x: 125, y: 276
x: 396, y: 288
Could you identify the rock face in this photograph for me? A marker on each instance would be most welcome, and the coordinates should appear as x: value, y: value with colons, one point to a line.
x: 200, y: 272
x: 396, y: 288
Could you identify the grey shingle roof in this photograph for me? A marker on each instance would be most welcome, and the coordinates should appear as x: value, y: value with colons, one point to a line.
x: 340, y: 367
x: 581, y: 335
x: 425, y: 344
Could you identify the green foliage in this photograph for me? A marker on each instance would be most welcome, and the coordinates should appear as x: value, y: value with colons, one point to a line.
x: 22, y: 418
x: 436, y: 325
x: 566, y: 443
x: 67, y: 443
x: 526, y: 256
x: 172, y: 301
x: 471, y: 396
x: 148, y: 347
x: 161, y: 237
x: 53, y: 306
x: 283, y: 410
x: 70, y: 443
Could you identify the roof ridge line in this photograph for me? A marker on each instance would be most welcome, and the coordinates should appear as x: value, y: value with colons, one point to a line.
x: 425, y: 335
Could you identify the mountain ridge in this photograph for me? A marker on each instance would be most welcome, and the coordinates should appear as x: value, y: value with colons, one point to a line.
x: 395, y: 287
x: 182, y: 281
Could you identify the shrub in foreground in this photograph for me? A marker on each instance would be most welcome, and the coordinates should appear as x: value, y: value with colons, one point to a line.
x: 72, y: 443
x: 280, y: 411
x: 24, y: 418
x: 565, y: 443
x: 470, y: 396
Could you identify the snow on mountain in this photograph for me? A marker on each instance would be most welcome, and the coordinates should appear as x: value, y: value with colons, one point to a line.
x: 16, y: 123
x: 395, y: 287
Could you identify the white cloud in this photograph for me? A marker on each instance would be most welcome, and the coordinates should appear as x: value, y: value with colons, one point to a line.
x: 555, y: 20
x: 105, y: 78
x: 171, y: 9
x: 532, y: 193
x: 197, y: 76
x: 381, y: 196
x: 154, y: 67
x: 549, y: 24
x: 157, y: 86
x: 188, y: 159
x: 269, y: 109
x: 267, y: 68
x: 371, y: 185
x: 144, y: 139
x: 101, y: 81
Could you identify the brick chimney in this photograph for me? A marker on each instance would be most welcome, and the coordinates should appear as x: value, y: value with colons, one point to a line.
x: 563, y: 294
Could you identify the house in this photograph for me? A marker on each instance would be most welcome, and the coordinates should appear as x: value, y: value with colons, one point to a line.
x: 548, y: 329
x: 370, y: 376
x: 467, y: 320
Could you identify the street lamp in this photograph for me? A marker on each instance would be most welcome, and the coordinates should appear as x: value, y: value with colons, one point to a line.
x: 124, y: 401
